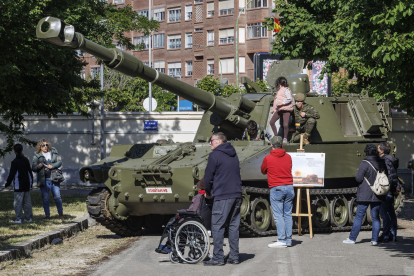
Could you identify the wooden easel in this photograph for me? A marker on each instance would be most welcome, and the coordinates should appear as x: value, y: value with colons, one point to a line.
x: 299, y: 202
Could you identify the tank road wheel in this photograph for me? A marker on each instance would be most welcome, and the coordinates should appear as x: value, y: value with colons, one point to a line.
x: 260, y: 215
x: 96, y: 204
x: 339, y: 211
x: 154, y: 222
x: 135, y: 222
x: 321, y: 212
x: 352, y: 208
x: 304, y: 220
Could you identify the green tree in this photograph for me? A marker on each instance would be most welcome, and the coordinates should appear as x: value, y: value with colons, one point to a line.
x: 372, y: 39
x: 342, y: 84
x: 125, y: 94
x: 40, y: 78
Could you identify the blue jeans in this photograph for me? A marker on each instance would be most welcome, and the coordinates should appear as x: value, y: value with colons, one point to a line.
x: 389, y: 218
x: 360, y: 213
x: 281, y: 198
x: 45, y: 190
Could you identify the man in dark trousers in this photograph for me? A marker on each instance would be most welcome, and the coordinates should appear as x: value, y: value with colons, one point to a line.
x: 387, y: 212
x: 223, y: 183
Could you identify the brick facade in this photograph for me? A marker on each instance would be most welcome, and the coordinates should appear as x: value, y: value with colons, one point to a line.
x: 199, y: 55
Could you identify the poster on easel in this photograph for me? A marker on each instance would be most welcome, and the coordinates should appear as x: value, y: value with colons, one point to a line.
x: 308, y: 169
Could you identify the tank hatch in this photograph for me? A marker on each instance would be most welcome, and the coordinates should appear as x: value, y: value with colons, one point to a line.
x: 284, y: 68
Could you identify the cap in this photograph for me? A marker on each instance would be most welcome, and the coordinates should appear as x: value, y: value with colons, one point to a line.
x: 200, y: 184
x: 276, y: 140
x: 300, y: 97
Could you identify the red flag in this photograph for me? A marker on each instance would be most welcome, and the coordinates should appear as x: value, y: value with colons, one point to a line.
x: 277, y: 26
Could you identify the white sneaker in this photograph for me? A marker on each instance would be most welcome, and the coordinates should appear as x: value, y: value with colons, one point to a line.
x: 277, y: 244
x: 18, y: 221
x: 27, y: 220
x: 285, y: 141
x: 374, y: 243
x: 209, y: 233
x: 349, y: 241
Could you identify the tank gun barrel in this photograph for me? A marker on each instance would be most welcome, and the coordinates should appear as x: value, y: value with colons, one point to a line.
x: 55, y: 31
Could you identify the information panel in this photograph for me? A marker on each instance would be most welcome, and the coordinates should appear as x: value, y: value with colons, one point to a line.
x: 308, y: 169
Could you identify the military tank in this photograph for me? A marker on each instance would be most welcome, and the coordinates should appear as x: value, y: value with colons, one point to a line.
x: 145, y: 184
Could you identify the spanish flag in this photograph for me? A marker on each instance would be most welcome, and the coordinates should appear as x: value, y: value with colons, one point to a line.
x: 277, y: 26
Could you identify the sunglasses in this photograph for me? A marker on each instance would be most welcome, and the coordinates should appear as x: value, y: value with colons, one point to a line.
x: 44, y: 145
x: 211, y: 140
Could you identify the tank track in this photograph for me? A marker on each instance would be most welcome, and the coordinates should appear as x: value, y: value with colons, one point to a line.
x: 98, y: 210
x: 247, y: 229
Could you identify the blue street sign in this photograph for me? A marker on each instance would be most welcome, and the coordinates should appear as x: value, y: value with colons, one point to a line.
x: 186, y: 105
x: 150, y: 125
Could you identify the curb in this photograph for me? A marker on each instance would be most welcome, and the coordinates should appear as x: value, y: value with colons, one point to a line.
x: 25, y: 248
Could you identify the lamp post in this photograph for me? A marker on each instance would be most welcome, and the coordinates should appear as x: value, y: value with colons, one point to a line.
x: 102, y: 141
x: 221, y: 68
x: 237, y: 42
x: 149, y: 59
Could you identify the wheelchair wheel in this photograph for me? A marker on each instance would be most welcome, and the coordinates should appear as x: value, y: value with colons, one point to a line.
x: 192, y: 242
x: 174, y: 258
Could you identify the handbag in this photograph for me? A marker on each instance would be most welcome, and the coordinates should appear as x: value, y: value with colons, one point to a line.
x: 381, y: 185
x: 57, y: 176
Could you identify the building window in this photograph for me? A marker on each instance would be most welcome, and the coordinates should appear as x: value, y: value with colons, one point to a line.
x: 257, y: 4
x: 226, y: 36
x: 198, y: 1
x: 210, y: 67
x: 242, y: 35
x: 159, y: 66
x: 189, y: 68
x: 120, y: 47
x: 188, y: 12
x: 82, y: 74
x: 119, y: 1
x: 198, y: 29
x: 143, y: 13
x: 227, y: 65
x: 174, y: 69
x: 188, y: 40
x: 95, y: 72
x: 174, y: 14
x: 256, y: 30
x: 210, y: 37
x: 174, y: 41
x: 159, y: 14
x: 226, y: 7
x: 210, y: 9
x: 159, y: 40
x: 143, y: 40
x: 242, y: 3
x: 242, y: 64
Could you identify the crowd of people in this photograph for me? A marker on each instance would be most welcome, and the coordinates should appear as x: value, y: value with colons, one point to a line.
x: 223, y: 184
x: 45, y: 163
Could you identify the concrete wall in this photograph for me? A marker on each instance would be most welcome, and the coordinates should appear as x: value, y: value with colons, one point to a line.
x: 77, y: 138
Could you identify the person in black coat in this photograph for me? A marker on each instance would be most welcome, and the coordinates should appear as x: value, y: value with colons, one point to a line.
x: 387, y: 211
x: 22, y: 177
x: 223, y: 183
x: 365, y: 196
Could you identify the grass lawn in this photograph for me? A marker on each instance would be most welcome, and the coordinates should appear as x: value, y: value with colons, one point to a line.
x: 74, y: 207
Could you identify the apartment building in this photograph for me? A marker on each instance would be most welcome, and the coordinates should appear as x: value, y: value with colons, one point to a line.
x: 194, y: 34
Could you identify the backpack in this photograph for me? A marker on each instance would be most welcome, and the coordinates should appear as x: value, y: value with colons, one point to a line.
x: 381, y: 185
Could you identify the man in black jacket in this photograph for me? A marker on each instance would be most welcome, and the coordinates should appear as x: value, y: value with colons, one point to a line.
x: 223, y: 183
x: 389, y: 218
x: 21, y: 174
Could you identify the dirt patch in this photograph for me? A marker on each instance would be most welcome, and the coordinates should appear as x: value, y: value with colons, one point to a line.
x: 74, y: 257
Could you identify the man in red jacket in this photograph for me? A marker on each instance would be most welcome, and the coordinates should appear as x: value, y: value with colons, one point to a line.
x: 278, y: 167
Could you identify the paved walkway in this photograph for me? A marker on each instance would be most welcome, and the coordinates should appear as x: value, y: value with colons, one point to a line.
x: 325, y: 254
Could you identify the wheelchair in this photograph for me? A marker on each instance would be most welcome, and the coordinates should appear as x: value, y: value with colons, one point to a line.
x: 187, y: 239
